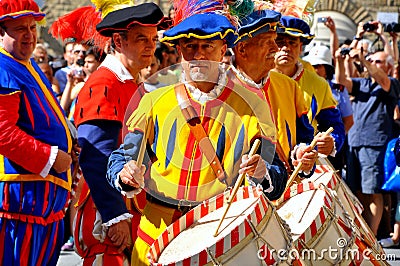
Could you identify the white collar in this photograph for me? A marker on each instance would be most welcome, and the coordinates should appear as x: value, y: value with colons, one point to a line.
x: 204, y: 97
x: 115, y: 66
x: 300, y: 69
x: 245, y: 78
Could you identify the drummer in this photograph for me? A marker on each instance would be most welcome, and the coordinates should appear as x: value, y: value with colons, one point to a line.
x: 253, y: 60
x: 322, y: 110
x: 230, y: 119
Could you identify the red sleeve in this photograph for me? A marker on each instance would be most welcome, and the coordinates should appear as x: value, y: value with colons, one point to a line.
x: 16, y: 144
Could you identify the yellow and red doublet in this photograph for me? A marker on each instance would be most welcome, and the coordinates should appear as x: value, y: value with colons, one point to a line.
x: 180, y: 171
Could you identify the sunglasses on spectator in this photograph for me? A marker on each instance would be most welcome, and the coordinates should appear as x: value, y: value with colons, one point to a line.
x: 80, y: 51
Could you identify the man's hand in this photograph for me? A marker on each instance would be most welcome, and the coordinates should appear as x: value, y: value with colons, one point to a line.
x: 325, y: 143
x: 132, y: 175
x: 63, y: 162
x: 253, y: 166
x: 120, y: 235
x: 76, y: 150
x: 307, y: 156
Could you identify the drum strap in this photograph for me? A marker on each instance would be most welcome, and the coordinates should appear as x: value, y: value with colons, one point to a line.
x: 198, y: 131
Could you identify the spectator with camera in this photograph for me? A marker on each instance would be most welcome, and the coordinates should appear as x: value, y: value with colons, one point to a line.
x: 77, y: 78
x: 61, y: 68
x: 321, y: 58
x: 375, y: 98
x: 371, y: 27
x: 77, y: 56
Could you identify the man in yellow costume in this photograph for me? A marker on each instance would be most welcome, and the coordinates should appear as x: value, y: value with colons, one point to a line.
x: 197, y: 133
x: 251, y: 65
x: 322, y: 111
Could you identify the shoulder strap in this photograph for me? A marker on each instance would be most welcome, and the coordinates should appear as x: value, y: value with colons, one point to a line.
x: 197, y: 129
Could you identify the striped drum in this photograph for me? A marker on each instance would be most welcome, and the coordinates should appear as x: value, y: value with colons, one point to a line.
x: 251, y: 234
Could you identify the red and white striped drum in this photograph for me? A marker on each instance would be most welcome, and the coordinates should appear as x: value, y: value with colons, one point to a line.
x: 251, y: 233
x: 323, y: 233
x: 326, y: 175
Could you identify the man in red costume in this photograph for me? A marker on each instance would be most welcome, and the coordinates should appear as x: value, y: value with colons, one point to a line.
x: 99, y: 115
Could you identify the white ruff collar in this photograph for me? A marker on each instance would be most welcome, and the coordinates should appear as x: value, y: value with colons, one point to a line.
x: 204, y: 97
x: 246, y: 79
x: 300, y: 69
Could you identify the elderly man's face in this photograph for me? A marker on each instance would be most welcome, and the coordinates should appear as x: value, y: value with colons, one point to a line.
x: 201, y: 58
x: 19, y: 37
x: 260, y: 52
x: 289, y: 50
x: 379, y: 59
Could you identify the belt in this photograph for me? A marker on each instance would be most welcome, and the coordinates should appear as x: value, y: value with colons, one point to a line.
x: 180, y: 205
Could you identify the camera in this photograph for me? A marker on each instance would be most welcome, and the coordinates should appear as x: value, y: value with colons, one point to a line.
x: 392, y: 27
x: 368, y: 26
x: 345, y: 51
x: 322, y: 19
x: 80, y: 62
x: 78, y: 72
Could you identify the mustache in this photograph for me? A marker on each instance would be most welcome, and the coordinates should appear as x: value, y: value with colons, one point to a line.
x: 194, y: 64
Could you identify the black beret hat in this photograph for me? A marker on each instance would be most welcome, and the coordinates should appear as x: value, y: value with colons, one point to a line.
x: 146, y: 14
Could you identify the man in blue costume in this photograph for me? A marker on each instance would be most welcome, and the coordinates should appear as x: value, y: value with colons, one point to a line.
x: 35, y: 144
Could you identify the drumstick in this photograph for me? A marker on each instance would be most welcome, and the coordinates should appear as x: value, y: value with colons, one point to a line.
x: 239, y: 181
x: 139, y: 159
x: 298, y: 167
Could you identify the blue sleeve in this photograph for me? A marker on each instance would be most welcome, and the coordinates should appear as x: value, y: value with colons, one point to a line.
x: 304, y: 130
x: 276, y: 170
x: 345, y: 104
x: 129, y: 150
x: 331, y: 118
x: 397, y: 151
x: 279, y: 177
x: 97, y: 140
x: 61, y: 77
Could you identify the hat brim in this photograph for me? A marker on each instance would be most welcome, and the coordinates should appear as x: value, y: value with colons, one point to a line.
x: 207, y: 26
x: 258, y: 22
x: 304, y: 38
x: 316, y: 61
x: 38, y: 16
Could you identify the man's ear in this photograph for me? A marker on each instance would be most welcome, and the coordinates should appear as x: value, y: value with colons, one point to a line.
x: 117, y: 41
x: 2, y: 31
x: 240, y: 49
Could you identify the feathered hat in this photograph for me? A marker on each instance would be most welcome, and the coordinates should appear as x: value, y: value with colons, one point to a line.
x: 207, y: 19
x: 79, y: 25
x: 14, y: 9
x: 262, y: 19
x: 120, y: 15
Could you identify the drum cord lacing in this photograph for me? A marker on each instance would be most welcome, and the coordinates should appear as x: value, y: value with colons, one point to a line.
x: 258, y: 238
x: 348, y: 218
x: 213, y: 259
